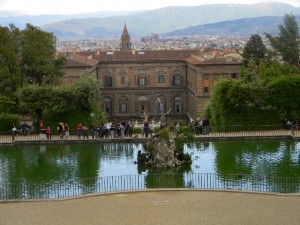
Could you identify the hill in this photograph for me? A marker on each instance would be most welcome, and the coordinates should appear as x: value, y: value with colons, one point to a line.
x: 8, y: 17
x: 164, y: 20
x: 140, y: 23
x: 246, y: 26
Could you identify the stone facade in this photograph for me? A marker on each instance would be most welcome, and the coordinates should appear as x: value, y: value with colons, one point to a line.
x: 132, y: 81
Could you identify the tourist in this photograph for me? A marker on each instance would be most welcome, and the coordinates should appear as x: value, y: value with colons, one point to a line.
x: 43, y: 132
x: 85, y: 132
x: 199, y: 127
x: 151, y: 128
x: 130, y: 129
x: 146, y: 128
x: 25, y: 128
x: 79, y: 130
x: 60, y: 129
x: 92, y: 129
x: 122, y: 129
x: 205, y: 126
x: 108, y: 129
x: 48, y: 132
x: 67, y: 131
x: 14, y: 130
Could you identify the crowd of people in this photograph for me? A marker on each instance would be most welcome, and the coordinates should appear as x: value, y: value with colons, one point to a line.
x: 288, y: 124
x: 201, y: 126
x: 121, y: 129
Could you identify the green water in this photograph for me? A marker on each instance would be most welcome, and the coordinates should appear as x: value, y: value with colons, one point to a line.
x: 52, y: 163
x: 274, y: 158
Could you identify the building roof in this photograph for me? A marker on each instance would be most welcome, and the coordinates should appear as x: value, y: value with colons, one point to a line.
x: 219, y: 60
x: 156, y: 55
x: 71, y: 63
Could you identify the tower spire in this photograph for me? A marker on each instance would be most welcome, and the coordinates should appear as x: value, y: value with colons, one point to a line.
x: 125, y: 39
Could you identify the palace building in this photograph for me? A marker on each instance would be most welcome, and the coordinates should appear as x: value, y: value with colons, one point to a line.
x: 132, y: 81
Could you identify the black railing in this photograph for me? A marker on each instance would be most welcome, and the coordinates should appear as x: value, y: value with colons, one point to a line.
x: 73, y: 188
x: 214, y: 132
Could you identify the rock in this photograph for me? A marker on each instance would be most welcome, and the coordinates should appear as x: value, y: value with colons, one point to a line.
x: 162, y: 149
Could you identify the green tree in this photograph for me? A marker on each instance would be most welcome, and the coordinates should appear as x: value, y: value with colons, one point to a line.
x: 286, y: 43
x: 254, y: 50
x: 82, y: 96
x: 87, y: 95
x: 10, y: 74
x: 284, y: 93
x: 273, y: 70
x: 40, y: 99
x: 39, y: 63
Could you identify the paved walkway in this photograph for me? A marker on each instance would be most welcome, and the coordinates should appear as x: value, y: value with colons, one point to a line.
x: 7, y: 139
x: 159, y: 208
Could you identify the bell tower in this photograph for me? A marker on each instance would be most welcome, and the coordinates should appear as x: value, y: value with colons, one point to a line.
x: 125, y: 40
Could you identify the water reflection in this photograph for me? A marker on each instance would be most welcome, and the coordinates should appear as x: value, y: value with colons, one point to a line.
x: 57, y: 166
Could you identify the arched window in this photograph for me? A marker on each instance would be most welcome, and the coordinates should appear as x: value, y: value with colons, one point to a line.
x: 123, y: 105
x: 107, y: 105
x: 142, y: 104
x: 177, y: 80
x: 177, y: 105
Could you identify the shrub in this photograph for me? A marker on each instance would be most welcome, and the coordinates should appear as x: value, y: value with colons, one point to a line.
x: 137, y: 130
x: 72, y: 118
x: 6, y: 122
x: 7, y: 105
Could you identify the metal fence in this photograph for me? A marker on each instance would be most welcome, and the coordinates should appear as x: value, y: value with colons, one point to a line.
x: 215, y: 132
x: 72, y: 188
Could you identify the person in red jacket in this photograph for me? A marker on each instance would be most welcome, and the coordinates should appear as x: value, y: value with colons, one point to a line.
x: 79, y: 129
x: 48, y: 132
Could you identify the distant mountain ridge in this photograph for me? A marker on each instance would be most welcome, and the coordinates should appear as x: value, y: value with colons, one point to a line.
x: 246, y: 26
x: 164, y: 20
x: 41, y: 20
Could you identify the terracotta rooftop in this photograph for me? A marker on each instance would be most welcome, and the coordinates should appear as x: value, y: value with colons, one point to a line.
x: 158, y: 55
x: 74, y: 63
x: 219, y: 60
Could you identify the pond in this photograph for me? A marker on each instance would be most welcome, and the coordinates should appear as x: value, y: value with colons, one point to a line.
x: 48, y: 164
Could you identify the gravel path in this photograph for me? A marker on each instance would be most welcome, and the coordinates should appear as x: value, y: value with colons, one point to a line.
x: 170, y: 207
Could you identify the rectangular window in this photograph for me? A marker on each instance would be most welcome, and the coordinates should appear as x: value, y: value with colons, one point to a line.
x: 107, y: 109
x: 234, y: 75
x: 123, y: 107
x: 122, y: 80
x: 205, y: 76
x: 206, y: 90
x: 178, y: 108
x: 107, y: 81
x: 161, y: 79
x: 141, y: 81
x: 177, y: 80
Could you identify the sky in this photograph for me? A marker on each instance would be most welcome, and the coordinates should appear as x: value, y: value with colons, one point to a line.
x: 37, y: 7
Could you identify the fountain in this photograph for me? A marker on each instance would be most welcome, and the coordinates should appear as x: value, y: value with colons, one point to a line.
x: 164, y: 149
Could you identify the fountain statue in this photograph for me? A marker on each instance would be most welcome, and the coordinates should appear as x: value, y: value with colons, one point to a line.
x: 163, y: 149
x: 160, y: 111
